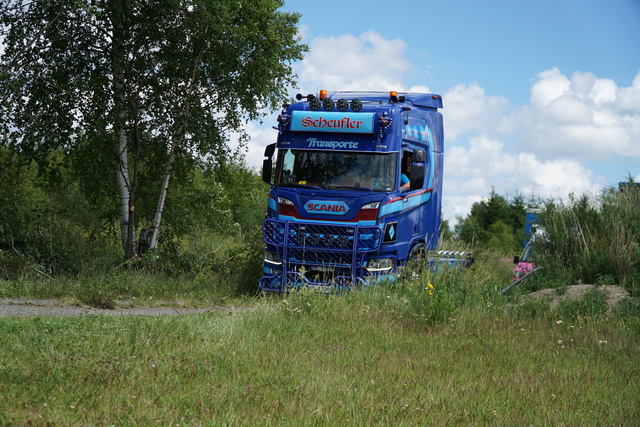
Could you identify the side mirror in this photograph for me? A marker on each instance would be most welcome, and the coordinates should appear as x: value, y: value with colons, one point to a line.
x: 266, y: 170
x: 419, y: 156
x: 267, y: 163
x: 269, y: 150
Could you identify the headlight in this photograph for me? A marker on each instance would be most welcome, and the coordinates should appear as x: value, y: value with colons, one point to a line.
x: 284, y: 201
x: 380, y: 264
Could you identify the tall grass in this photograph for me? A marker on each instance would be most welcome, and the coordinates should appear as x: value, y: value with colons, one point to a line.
x: 427, y: 348
x: 594, y: 239
x: 221, y: 267
x: 452, y: 353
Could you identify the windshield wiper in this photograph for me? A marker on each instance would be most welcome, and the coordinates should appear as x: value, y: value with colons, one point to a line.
x: 300, y: 186
x: 348, y: 187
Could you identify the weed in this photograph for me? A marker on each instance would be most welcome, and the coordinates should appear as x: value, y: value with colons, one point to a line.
x: 593, y: 303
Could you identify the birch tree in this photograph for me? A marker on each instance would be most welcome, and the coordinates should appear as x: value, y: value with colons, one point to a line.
x: 154, y: 83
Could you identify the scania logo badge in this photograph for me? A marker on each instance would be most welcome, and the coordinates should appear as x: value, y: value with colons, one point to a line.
x: 326, y: 207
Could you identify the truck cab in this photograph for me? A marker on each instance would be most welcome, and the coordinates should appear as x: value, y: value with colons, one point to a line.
x: 356, y: 182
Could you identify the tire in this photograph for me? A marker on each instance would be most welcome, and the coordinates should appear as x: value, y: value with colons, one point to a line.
x: 417, y: 260
x: 417, y: 254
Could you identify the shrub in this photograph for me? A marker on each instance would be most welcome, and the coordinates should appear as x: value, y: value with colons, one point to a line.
x: 593, y: 240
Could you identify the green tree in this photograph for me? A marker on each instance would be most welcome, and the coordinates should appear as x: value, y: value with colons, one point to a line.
x: 145, y: 87
x: 502, y: 239
x: 496, y: 223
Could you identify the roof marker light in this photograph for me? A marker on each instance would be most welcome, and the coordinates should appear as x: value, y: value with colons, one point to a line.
x: 356, y: 105
x: 323, y: 94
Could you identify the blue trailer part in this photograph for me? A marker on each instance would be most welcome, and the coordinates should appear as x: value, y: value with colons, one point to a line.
x: 356, y: 188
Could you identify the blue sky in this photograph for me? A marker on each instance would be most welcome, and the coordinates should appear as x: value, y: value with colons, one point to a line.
x: 540, y: 98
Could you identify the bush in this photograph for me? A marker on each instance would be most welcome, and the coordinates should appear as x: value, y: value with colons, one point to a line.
x: 593, y: 240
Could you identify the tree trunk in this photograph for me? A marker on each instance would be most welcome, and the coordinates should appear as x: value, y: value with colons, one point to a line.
x: 155, y: 227
x: 177, y: 139
x: 127, y: 230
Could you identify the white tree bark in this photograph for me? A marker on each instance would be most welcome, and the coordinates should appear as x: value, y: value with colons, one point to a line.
x: 123, y: 184
x: 155, y: 227
x: 123, y: 181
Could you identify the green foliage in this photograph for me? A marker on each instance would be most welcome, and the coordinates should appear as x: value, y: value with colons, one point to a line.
x: 160, y: 92
x: 247, y: 192
x: 46, y: 225
x: 49, y: 230
x: 501, y: 238
x: 307, y: 359
x: 496, y: 224
x: 594, y: 240
x: 592, y: 304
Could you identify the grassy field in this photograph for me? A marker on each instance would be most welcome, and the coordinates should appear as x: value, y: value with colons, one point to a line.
x: 439, y: 350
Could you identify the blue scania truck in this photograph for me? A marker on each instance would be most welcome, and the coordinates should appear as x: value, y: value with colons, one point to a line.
x: 356, y: 188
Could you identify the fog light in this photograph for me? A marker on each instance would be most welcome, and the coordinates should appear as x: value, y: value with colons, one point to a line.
x: 272, y: 257
x: 380, y: 264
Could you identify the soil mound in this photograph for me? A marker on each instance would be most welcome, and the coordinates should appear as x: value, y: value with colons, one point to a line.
x: 613, y: 294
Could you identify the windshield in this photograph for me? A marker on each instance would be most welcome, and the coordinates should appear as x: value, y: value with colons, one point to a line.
x: 336, y: 170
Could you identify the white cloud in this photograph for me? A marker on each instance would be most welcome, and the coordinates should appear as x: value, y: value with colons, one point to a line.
x: 583, y: 118
x: 543, y: 149
x: 471, y: 173
x: 348, y: 62
x: 467, y: 107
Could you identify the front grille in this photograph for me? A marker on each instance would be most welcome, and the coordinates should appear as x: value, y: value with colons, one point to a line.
x: 322, y: 236
x: 319, y: 253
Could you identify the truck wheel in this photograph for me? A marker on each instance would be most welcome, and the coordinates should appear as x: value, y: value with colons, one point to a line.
x: 417, y: 258
x: 271, y: 294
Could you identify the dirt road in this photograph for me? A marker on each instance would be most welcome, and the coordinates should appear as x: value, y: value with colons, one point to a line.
x: 17, y: 307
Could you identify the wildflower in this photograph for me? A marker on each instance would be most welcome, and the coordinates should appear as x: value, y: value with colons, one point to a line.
x: 558, y: 322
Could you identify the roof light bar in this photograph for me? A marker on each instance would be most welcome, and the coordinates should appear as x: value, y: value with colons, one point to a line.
x: 328, y: 104
x: 314, y: 104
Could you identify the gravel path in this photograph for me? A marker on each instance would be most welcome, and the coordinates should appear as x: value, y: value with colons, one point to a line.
x: 16, y: 307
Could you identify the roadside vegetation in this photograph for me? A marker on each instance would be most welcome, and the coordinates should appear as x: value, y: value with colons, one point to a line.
x: 441, y: 347
x: 95, y: 129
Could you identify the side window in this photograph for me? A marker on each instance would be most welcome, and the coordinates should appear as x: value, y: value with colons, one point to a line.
x: 418, y: 169
x: 416, y: 162
x: 285, y: 167
x: 412, y: 169
x: 405, y: 170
